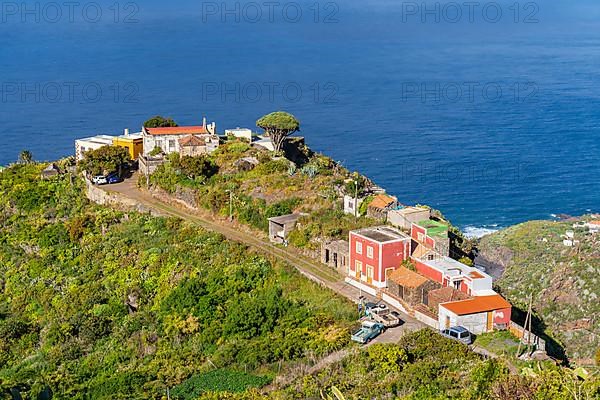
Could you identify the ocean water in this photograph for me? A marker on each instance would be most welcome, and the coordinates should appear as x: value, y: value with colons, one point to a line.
x: 492, y: 116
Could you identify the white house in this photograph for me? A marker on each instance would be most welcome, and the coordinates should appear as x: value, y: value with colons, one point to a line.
x: 479, y: 314
x: 351, y: 205
x: 91, y: 143
x: 242, y: 133
x: 169, y: 139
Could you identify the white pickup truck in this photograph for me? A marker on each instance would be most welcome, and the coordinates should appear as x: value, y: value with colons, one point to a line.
x: 382, y: 314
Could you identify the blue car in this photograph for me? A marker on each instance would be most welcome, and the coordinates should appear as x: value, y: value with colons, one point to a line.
x: 114, y: 178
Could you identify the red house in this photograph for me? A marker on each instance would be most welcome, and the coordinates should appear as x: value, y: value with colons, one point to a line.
x: 375, y: 253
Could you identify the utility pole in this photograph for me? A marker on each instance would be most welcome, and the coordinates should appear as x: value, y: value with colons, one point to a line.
x: 230, y: 204
x: 525, y: 325
x: 356, y: 198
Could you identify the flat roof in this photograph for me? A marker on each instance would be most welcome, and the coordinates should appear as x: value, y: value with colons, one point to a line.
x: 98, y: 139
x: 132, y: 136
x: 382, y: 234
x: 477, y: 305
x: 410, y: 210
x: 434, y: 228
x: 454, y: 268
x: 285, y: 219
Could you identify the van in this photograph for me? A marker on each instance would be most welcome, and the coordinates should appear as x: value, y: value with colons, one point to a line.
x: 458, y: 333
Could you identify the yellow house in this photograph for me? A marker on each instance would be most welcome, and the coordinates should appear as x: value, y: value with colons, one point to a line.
x: 134, y: 143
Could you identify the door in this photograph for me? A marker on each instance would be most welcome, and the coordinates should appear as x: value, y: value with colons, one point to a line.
x: 369, y: 274
x: 447, y: 322
x: 358, y: 269
x: 490, y: 321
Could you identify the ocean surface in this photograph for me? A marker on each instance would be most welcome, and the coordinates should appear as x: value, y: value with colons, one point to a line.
x: 491, y: 115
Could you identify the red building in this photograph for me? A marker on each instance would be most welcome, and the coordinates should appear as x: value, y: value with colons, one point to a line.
x: 375, y: 253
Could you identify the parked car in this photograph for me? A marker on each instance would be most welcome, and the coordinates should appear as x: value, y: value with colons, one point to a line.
x: 383, y: 315
x: 367, y: 332
x: 99, y: 180
x: 396, y: 314
x: 370, y: 306
x: 459, y: 333
x: 114, y: 178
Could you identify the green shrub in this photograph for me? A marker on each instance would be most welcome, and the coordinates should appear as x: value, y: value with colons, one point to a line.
x: 222, y: 380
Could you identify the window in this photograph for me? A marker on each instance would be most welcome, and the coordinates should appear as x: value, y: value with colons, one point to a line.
x: 453, y: 334
x: 420, y: 236
x: 171, y: 145
x: 370, y: 252
x: 358, y: 248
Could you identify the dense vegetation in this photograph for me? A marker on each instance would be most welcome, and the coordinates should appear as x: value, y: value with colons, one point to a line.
x: 276, y: 186
x: 96, y: 303
x: 105, y: 160
x: 426, y: 366
x: 563, y: 281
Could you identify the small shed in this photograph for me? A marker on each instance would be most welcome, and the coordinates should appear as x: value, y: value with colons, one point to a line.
x: 280, y: 227
x: 404, y: 217
x: 480, y: 314
x: 50, y: 171
x: 335, y: 254
x: 410, y: 286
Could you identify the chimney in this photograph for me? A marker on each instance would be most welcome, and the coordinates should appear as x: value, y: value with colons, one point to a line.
x: 126, y: 132
x: 204, y: 122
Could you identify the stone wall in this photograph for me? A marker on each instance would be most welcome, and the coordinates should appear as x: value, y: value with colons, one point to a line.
x: 106, y: 198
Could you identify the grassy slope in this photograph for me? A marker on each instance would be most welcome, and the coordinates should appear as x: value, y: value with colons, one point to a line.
x: 564, y: 281
x: 68, y: 268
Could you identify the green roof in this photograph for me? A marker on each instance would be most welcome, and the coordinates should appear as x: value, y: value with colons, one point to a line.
x: 434, y: 228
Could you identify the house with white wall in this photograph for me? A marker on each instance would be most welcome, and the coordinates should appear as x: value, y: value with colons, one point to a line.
x: 172, y: 139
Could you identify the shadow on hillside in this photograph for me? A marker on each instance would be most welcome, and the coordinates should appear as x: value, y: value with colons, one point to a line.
x: 553, y: 348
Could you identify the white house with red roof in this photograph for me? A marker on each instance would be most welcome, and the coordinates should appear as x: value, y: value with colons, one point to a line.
x: 479, y: 314
x: 173, y: 139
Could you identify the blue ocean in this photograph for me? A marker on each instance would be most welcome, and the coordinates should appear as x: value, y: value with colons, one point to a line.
x: 487, y: 111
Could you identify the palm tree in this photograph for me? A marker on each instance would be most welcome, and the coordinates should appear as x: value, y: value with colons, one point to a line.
x: 25, y: 157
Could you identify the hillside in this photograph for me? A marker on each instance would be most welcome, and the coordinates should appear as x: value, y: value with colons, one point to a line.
x: 564, y: 281
x: 95, y: 303
x: 100, y: 304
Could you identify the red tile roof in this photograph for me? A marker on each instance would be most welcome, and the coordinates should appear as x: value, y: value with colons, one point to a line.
x: 477, y: 305
x: 178, y: 130
x: 192, y: 140
x: 407, y: 278
x: 381, y: 201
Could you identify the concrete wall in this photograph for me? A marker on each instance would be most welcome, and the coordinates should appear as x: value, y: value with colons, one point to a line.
x: 365, y: 288
x: 427, y: 320
x: 475, y: 323
x: 404, y: 220
x: 107, y: 198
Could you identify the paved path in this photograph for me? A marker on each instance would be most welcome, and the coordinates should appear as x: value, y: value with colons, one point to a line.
x: 313, y: 270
